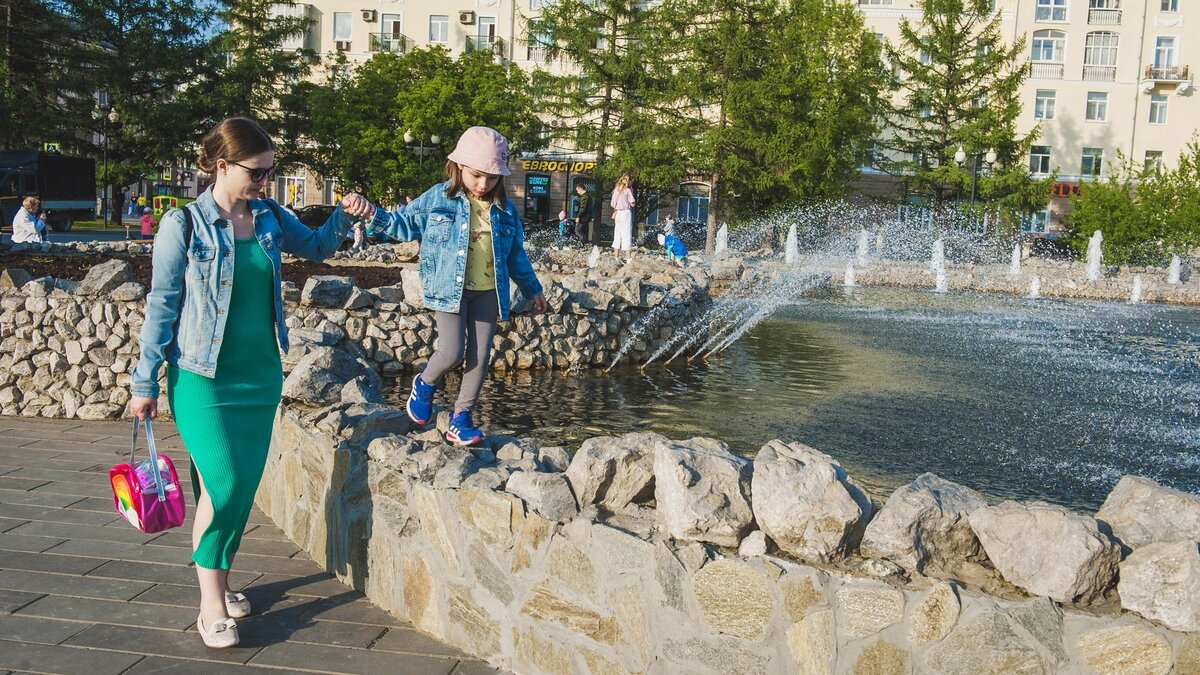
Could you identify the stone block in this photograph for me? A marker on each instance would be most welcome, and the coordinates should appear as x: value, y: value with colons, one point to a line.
x: 547, y: 493
x: 868, y: 609
x: 105, y: 277
x: 1125, y: 650
x: 935, y: 615
x: 326, y: 291
x: 882, y: 658
x: 1135, y: 507
x: 923, y: 527
x: 1161, y: 581
x: 545, y: 604
x: 702, y: 491
x: 985, y: 645
x: 494, y: 516
x: 735, y: 598
x: 812, y: 642
x: 614, y: 472
x: 430, y: 509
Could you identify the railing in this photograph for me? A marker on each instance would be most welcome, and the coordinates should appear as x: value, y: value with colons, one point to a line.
x: 1099, y: 73
x: 1104, y: 17
x: 485, y: 44
x: 1045, y: 71
x: 537, y: 53
x: 389, y: 43
x: 1167, y: 73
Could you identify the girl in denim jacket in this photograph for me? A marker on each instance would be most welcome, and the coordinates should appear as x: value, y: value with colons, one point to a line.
x: 471, y: 245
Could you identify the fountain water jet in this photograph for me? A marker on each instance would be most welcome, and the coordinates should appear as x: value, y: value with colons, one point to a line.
x: 1135, y: 295
x: 594, y: 257
x: 1094, y: 256
x: 1014, y: 267
x: 791, y: 250
x: 848, y: 277
x: 937, y: 259
x: 1035, y: 288
x: 1173, y: 270
x: 939, y: 283
x: 722, y: 243
x: 879, y: 244
x: 864, y: 247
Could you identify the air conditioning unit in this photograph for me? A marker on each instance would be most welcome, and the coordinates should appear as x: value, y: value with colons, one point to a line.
x: 342, y: 45
x: 368, y: 15
x: 466, y: 17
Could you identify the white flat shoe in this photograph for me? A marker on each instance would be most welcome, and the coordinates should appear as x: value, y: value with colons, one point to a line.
x: 236, y: 605
x: 222, y: 635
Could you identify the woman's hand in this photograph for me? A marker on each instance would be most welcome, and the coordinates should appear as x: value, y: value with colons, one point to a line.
x: 540, y: 306
x: 357, y: 205
x: 143, y: 408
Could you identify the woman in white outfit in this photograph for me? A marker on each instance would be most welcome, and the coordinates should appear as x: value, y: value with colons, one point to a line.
x: 622, y: 203
x: 28, y: 228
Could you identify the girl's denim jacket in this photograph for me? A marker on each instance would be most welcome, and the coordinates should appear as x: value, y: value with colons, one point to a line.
x: 192, y: 283
x: 443, y: 224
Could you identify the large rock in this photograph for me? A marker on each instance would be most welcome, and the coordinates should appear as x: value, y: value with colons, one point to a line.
x: 414, y: 459
x: 806, y: 503
x: 734, y: 598
x: 1048, y: 550
x: 130, y: 291
x: 985, y: 645
x: 1161, y: 581
x: 613, y: 473
x: 923, y: 527
x: 1140, y: 512
x: 410, y: 282
x: 546, y: 493
x: 326, y: 291
x: 702, y: 492
x: 319, y: 377
x: 14, y: 277
x: 1125, y: 650
x: 105, y: 277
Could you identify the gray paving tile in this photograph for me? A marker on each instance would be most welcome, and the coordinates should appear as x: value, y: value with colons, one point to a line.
x: 97, y: 489
x: 39, y: 498
x: 152, y: 665
x: 475, y: 668
x: 172, y: 595
x: 44, y: 528
x: 63, y: 584
x: 343, y: 660
x: 144, y: 640
x: 189, y: 596
x: 24, y: 656
x: 265, y: 547
x: 39, y: 472
x: 347, y: 610
x: 11, y: 601
x: 316, y: 584
x: 10, y: 482
x: 7, y: 524
x: 23, y: 512
x: 91, y: 610
x: 265, y: 531
x: 41, y: 631
x: 411, y: 641
x: 44, y: 562
x: 13, y: 541
x: 97, y: 504
x: 273, y: 628
x: 162, y: 574
x: 113, y: 550
x: 20, y: 458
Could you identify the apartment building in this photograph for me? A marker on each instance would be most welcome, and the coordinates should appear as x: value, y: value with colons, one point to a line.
x: 1107, y: 78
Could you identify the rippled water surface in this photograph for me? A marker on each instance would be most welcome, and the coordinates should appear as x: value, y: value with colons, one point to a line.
x: 1016, y: 398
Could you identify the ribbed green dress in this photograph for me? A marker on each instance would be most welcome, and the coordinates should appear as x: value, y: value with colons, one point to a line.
x: 225, y: 421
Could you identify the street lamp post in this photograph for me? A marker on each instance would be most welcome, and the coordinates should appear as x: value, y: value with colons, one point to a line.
x: 989, y: 159
x: 105, y: 120
x: 418, y: 147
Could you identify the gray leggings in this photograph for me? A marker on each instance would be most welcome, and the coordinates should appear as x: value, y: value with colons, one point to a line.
x: 475, y: 321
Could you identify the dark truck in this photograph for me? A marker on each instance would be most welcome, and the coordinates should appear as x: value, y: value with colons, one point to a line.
x: 66, y: 186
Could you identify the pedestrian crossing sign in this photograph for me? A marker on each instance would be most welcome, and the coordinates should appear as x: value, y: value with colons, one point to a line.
x: 51, y: 147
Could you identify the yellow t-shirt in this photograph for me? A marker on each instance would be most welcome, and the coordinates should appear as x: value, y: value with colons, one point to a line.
x: 481, y: 259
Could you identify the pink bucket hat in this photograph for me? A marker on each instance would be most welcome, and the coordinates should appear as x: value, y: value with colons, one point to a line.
x: 482, y: 149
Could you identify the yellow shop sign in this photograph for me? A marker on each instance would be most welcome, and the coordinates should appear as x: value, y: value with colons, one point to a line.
x: 556, y: 165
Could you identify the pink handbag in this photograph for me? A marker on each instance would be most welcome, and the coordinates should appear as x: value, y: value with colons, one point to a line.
x: 148, y: 494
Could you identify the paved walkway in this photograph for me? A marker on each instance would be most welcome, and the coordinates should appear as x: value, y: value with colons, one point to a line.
x: 82, y: 591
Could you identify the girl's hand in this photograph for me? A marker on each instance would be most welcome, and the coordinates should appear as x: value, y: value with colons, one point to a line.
x: 357, y: 205
x: 540, y: 306
x: 142, y: 407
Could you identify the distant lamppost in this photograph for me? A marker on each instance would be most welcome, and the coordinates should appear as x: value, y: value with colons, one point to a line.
x: 989, y: 159
x: 111, y: 118
x: 417, y: 146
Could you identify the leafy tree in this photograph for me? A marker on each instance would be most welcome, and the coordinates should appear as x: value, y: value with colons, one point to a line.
x: 354, y: 129
x: 959, y: 83
x: 31, y: 66
x: 1145, y: 213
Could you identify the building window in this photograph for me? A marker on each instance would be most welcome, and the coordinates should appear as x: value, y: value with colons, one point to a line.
x: 1039, y: 159
x: 1153, y: 161
x: 1097, y: 106
x: 692, y: 205
x: 874, y: 3
x: 539, y: 4
x: 297, y: 11
x: 1049, y: 45
x: 1092, y: 162
x: 1043, y: 104
x: 1164, y: 52
x: 1158, y: 109
x: 1051, y: 10
x: 1100, y: 56
x: 341, y: 26
x: 332, y: 192
x: 1170, y: 5
x: 439, y: 28
x: 1036, y: 222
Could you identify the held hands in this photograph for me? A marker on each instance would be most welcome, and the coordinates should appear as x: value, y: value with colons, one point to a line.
x: 540, y: 306
x: 357, y: 206
x: 142, y: 407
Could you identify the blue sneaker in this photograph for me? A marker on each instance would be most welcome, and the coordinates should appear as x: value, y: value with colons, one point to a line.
x: 462, y: 431
x: 420, y: 401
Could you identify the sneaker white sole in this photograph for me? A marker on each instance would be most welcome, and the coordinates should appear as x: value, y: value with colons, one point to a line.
x: 408, y: 404
x: 453, y: 438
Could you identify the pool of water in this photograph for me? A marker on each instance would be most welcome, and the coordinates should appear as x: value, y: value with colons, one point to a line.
x: 1034, y: 399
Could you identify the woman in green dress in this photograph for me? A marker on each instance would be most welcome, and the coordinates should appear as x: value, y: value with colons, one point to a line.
x: 214, y: 315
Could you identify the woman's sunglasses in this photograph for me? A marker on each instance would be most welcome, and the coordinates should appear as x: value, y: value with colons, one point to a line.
x: 257, y: 175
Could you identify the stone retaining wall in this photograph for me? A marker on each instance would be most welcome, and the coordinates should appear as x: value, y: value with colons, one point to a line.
x: 67, y: 349
x: 489, y: 551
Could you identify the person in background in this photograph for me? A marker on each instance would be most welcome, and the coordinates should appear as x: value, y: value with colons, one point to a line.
x: 622, y: 202
x: 133, y: 198
x: 668, y: 227
x: 360, y: 238
x: 28, y: 226
x: 583, y: 215
x: 147, y: 224
x: 141, y: 202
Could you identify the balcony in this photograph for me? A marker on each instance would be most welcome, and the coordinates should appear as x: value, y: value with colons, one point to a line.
x: 1104, y: 17
x: 1041, y: 70
x: 389, y: 43
x: 1166, y: 74
x: 494, y: 45
x: 1099, y: 73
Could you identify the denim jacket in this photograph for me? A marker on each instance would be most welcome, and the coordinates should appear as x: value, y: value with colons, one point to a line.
x: 192, y: 283
x: 443, y: 224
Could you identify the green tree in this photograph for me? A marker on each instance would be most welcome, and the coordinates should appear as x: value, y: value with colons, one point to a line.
x: 1145, y: 213
x: 959, y: 84
x: 354, y: 128
x: 31, y: 67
